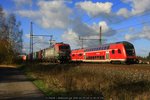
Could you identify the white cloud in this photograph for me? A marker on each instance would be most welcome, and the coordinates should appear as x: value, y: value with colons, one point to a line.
x: 138, y: 7
x: 36, y: 47
x: 55, y: 14
x: 131, y: 37
x: 72, y: 38
x: 39, y: 43
x: 27, y: 36
x: 106, y: 30
x: 123, y: 12
x: 143, y: 34
x: 51, y: 14
x: 88, y: 32
x: 95, y: 8
x: 28, y: 13
x: 22, y: 2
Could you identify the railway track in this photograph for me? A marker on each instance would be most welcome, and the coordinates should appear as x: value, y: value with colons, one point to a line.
x: 102, y: 65
x: 119, y: 66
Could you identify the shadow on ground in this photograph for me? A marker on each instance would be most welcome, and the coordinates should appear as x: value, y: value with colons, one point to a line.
x: 15, y: 86
x: 8, y: 74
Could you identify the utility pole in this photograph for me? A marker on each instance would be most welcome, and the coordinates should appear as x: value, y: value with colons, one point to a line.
x: 31, y: 40
x: 100, y: 38
x: 100, y: 33
x: 51, y: 37
x: 81, y: 41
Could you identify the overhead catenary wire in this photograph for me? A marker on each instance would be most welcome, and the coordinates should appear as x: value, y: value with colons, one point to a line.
x: 131, y: 26
x: 98, y: 14
x: 128, y: 26
x: 141, y: 14
x: 119, y: 29
x: 100, y: 28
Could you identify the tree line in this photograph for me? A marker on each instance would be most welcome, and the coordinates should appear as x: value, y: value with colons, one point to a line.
x: 146, y: 58
x: 10, y: 37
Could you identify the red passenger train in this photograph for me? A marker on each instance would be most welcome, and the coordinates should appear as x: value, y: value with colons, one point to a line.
x: 122, y: 52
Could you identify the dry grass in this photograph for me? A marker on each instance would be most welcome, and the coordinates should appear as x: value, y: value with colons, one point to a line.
x: 119, y: 83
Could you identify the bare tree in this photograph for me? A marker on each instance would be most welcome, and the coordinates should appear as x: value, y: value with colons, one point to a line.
x: 15, y: 33
x: 3, y: 27
x: 10, y: 37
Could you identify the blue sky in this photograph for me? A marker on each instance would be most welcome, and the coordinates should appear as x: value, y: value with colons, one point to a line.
x: 66, y: 20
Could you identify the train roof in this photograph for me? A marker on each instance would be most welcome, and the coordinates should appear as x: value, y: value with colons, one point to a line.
x: 124, y: 42
x: 104, y: 46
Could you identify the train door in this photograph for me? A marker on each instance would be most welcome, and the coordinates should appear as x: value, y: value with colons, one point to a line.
x: 107, y: 55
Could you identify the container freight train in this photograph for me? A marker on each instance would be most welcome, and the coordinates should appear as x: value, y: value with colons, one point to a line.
x: 59, y: 52
x: 120, y: 52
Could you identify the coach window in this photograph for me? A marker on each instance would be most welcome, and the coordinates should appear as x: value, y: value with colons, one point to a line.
x: 113, y: 51
x: 73, y: 55
x: 92, y: 57
x: 99, y: 57
x: 102, y: 57
x: 103, y: 48
x: 80, y: 54
x: 119, y: 51
x: 95, y: 57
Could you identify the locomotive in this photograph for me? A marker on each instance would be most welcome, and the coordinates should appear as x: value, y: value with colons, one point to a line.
x: 120, y: 52
x: 59, y: 52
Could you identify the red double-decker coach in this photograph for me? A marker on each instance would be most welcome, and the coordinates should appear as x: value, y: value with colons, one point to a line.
x: 122, y: 52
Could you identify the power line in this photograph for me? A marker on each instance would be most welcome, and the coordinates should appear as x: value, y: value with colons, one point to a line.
x: 130, y: 26
x: 43, y: 35
x: 148, y: 12
x: 100, y: 39
x: 138, y: 15
x: 122, y: 28
x: 31, y: 38
x: 97, y: 15
x: 104, y: 14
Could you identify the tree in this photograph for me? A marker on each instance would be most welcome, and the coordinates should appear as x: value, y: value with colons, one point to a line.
x: 3, y: 27
x: 15, y: 33
x: 10, y: 37
x: 6, y: 54
x: 148, y: 57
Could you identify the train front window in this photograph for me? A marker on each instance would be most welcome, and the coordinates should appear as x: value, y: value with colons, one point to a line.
x: 130, y: 52
x: 129, y: 49
x: 64, y: 47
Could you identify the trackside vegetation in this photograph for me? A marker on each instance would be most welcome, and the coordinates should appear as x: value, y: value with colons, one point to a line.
x: 117, y: 82
x: 10, y: 37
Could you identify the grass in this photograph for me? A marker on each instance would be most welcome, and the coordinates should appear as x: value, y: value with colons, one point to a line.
x: 90, y: 80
